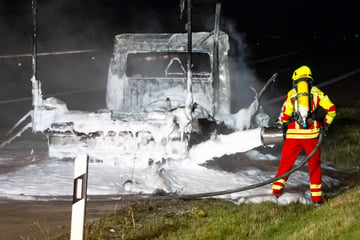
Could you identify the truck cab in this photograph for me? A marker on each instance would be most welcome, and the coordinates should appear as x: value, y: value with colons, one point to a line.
x: 148, y: 72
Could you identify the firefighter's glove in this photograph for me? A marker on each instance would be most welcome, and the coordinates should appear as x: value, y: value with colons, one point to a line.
x: 284, y: 127
x: 325, y: 129
x: 278, y: 124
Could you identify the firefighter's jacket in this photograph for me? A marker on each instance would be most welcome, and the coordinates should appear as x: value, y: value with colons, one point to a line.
x: 317, y: 98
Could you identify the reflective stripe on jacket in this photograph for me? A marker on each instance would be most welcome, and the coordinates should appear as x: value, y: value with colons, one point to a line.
x: 318, y: 98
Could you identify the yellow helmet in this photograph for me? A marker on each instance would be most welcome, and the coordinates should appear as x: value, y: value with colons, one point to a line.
x: 302, y: 72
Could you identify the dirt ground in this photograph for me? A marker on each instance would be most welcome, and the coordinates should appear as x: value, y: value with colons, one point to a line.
x: 30, y: 220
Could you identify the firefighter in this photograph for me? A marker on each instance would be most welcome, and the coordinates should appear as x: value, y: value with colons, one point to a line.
x: 302, y: 129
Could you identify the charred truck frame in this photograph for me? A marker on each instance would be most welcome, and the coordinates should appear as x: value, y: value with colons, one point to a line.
x: 158, y: 87
x: 146, y: 99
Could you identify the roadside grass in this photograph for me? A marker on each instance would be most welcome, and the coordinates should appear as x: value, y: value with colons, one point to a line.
x: 341, y: 148
x: 337, y: 218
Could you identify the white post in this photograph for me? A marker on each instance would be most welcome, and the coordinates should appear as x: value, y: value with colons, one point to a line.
x: 79, y: 197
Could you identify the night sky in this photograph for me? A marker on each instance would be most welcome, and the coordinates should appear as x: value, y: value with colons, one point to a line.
x: 91, y: 24
x: 67, y: 22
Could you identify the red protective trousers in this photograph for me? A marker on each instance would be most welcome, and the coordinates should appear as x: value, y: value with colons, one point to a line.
x: 290, y: 152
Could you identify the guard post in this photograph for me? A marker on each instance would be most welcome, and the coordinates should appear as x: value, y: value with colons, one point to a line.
x: 79, y: 197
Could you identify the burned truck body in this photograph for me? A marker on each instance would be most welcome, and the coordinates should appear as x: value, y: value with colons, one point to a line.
x: 148, y: 72
x: 146, y: 100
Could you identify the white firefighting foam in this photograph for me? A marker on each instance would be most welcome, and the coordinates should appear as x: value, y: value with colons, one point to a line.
x: 51, y: 178
x: 220, y: 145
x: 123, y: 174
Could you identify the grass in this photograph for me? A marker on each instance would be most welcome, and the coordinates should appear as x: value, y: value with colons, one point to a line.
x: 337, y: 218
x: 341, y: 148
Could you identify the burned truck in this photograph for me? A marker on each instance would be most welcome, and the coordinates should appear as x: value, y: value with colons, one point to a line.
x: 147, y: 98
x: 148, y: 73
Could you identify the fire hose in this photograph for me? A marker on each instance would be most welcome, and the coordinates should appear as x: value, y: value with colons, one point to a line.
x: 234, y: 190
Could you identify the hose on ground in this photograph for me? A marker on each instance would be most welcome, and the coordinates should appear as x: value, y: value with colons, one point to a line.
x: 234, y: 190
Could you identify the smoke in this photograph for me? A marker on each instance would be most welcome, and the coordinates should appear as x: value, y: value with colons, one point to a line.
x: 67, y: 26
x: 13, y: 72
x: 92, y: 24
x: 60, y: 26
x: 242, y: 77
